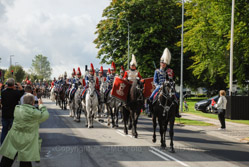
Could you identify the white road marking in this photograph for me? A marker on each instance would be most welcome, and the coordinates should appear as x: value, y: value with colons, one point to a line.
x: 163, y: 153
x: 166, y: 159
x: 125, y: 134
x: 120, y: 133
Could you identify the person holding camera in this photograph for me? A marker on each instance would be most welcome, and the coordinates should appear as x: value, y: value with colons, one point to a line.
x: 10, y: 98
x: 23, y: 140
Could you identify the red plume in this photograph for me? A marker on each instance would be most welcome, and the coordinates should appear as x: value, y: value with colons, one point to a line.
x: 92, y: 68
x: 109, y: 71
x: 101, y: 69
x: 79, y: 72
x: 74, y: 73
x: 113, y: 66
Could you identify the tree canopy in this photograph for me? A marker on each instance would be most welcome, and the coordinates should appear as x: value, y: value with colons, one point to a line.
x: 155, y: 25
x: 18, y: 73
x: 41, y: 67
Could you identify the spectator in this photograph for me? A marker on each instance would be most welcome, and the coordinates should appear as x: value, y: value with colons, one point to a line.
x: 10, y: 98
x: 23, y: 138
x: 221, y: 108
x: 27, y: 89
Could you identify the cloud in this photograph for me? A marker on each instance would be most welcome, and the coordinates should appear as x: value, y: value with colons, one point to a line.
x: 61, y: 30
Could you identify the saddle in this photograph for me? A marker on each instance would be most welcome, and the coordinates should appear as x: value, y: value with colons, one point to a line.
x: 155, y: 98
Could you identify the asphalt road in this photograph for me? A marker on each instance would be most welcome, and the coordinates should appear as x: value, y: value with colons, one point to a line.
x: 70, y: 144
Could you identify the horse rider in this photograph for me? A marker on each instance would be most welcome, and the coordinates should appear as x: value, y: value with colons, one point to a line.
x: 110, y: 79
x: 132, y: 73
x: 90, y: 77
x: 162, y: 74
x: 122, y: 71
x: 101, y: 78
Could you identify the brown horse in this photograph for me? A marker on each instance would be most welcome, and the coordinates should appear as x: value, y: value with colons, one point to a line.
x: 133, y: 108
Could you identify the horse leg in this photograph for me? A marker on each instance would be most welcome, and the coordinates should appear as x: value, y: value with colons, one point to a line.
x: 126, y: 115
x: 116, y: 114
x: 161, y: 127
x: 171, y: 134
x: 86, y: 120
x: 112, y: 116
x: 154, y: 127
x: 108, y: 115
x: 135, y: 123
x: 130, y: 121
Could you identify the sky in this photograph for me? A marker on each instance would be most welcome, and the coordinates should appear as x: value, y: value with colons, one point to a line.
x: 61, y: 30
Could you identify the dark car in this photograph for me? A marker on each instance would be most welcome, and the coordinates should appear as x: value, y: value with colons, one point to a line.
x: 203, y: 105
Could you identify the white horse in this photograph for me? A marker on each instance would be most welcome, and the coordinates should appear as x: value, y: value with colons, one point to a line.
x: 92, y: 103
x: 77, y: 103
x: 102, y: 106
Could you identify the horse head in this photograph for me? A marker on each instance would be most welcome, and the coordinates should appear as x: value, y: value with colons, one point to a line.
x: 136, y: 91
x: 91, y: 89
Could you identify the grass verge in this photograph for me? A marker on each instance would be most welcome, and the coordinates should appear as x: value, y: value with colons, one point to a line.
x: 191, y: 122
x: 191, y: 103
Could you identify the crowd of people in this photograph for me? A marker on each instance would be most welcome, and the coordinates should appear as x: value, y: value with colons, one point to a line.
x: 21, y: 117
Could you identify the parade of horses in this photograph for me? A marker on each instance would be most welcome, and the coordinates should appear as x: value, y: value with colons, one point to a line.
x: 114, y: 96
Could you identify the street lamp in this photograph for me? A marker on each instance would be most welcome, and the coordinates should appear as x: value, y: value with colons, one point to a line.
x: 128, y: 65
x: 181, y: 84
x: 231, y: 51
x: 11, y: 59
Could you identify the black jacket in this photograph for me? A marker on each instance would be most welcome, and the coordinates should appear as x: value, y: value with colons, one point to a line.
x: 10, y: 99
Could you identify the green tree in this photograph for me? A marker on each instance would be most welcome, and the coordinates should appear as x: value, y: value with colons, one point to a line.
x: 152, y: 28
x: 207, y: 40
x: 18, y: 73
x: 41, y: 67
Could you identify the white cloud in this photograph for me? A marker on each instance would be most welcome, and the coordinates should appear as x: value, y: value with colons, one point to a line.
x: 61, y: 30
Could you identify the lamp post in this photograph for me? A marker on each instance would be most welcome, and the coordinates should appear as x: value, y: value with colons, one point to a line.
x: 231, y: 51
x: 128, y: 65
x: 181, y: 84
x: 11, y: 59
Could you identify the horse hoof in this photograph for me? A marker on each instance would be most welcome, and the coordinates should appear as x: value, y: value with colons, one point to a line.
x: 116, y: 126
x: 86, y: 125
x: 113, y: 126
x: 135, y: 136
x: 163, y: 146
x: 172, y: 150
x: 126, y: 132
x: 153, y: 140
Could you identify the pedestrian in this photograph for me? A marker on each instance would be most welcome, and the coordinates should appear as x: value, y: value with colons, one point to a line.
x: 23, y: 141
x: 221, y: 108
x: 10, y: 98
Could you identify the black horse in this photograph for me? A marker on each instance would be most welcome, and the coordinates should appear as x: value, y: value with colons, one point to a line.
x: 164, y: 109
x: 62, y: 97
x: 133, y: 108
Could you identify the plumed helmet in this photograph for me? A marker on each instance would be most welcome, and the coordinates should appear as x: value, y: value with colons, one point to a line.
x: 166, y: 57
x: 78, y: 71
x: 113, y: 67
x: 92, y: 68
x: 101, y: 69
x: 109, y: 71
x: 73, y: 73
x: 133, y: 61
x: 122, y: 69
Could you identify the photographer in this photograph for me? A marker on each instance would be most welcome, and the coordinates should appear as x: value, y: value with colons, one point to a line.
x: 10, y: 98
x: 23, y: 141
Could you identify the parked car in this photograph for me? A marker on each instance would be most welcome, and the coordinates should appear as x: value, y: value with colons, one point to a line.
x: 204, y: 105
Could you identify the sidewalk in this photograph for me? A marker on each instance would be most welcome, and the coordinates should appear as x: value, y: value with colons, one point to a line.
x: 235, y: 132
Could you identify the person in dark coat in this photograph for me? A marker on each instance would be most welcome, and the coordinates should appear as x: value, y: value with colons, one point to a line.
x: 10, y: 98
